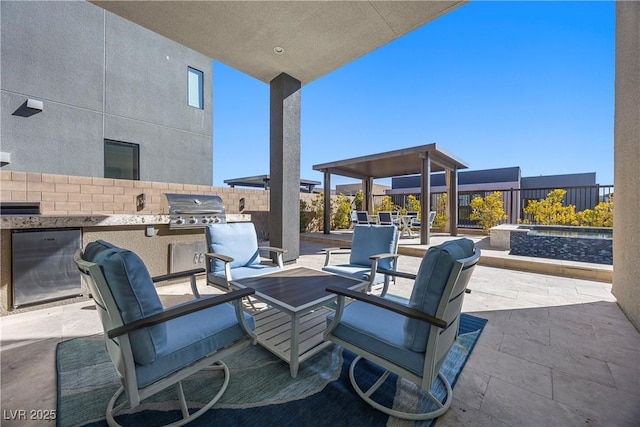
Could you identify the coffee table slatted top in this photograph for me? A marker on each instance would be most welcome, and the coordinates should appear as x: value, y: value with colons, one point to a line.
x: 298, y: 288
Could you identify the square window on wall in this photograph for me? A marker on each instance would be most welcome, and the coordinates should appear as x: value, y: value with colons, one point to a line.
x: 195, y: 92
x: 121, y: 160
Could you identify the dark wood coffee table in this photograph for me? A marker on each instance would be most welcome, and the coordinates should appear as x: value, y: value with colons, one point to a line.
x: 292, y: 328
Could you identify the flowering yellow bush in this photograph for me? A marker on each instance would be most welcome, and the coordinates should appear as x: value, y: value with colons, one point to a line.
x: 551, y: 211
x: 386, y: 205
x: 600, y: 216
x: 441, y: 217
x: 488, y: 211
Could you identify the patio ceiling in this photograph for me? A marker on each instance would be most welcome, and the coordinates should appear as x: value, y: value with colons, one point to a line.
x: 406, y: 161
x: 317, y: 36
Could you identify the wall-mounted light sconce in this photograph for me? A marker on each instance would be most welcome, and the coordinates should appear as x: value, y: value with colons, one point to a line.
x: 34, y: 104
x: 5, y: 158
x: 241, y: 204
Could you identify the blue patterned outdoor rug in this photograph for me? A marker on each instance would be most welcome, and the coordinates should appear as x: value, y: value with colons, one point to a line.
x: 261, y: 390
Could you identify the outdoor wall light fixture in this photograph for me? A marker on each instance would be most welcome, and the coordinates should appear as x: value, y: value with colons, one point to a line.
x: 278, y: 50
x: 5, y: 158
x: 34, y: 104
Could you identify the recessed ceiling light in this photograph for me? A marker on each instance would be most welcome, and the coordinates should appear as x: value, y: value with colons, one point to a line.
x: 279, y: 50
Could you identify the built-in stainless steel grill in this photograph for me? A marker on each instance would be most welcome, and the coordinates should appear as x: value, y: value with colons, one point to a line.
x: 194, y: 211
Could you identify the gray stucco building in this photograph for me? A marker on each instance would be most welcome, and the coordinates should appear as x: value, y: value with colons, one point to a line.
x: 108, y: 98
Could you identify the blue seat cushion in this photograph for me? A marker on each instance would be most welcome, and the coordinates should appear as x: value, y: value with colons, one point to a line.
x: 238, y: 241
x: 371, y: 240
x: 192, y: 337
x: 429, y: 285
x: 358, y: 272
x: 242, y: 272
x: 134, y: 293
x: 377, y: 331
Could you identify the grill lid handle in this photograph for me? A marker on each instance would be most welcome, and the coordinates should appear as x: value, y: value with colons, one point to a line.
x: 198, y: 212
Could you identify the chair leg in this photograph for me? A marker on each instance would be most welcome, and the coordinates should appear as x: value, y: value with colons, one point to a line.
x: 385, y: 287
x: 181, y: 400
x: 251, y: 304
x: 187, y: 418
x: 366, y: 396
x: 194, y: 287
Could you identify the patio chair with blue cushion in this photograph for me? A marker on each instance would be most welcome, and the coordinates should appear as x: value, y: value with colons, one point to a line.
x: 409, y: 340
x: 151, y: 347
x: 234, y: 254
x: 372, y: 247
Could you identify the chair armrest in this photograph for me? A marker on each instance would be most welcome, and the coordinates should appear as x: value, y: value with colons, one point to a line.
x: 389, y: 305
x: 332, y: 251
x: 278, y: 251
x: 272, y: 249
x: 343, y: 248
x: 382, y: 256
x: 178, y: 311
x: 396, y: 273
x: 178, y: 275
x: 219, y: 256
x: 375, y: 260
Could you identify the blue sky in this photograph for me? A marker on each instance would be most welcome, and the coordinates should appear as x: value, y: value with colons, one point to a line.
x: 498, y: 84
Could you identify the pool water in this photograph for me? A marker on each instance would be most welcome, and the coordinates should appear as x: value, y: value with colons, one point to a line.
x: 585, y: 234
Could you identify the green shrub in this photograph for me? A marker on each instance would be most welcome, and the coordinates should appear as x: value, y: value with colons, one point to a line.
x: 304, y: 217
x: 317, y: 208
x: 342, y: 213
x: 358, y: 200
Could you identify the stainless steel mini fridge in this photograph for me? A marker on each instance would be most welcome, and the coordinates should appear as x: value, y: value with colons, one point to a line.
x: 42, y: 265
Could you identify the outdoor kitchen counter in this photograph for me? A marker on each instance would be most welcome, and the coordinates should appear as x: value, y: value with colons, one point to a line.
x: 11, y: 222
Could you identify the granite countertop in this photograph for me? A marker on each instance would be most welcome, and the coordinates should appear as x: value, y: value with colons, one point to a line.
x: 44, y: 221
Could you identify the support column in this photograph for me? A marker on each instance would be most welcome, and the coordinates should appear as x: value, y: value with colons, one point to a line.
x: 326, y: 225
x: 368, y: 194
x: 284, y: 167
x: 626, y: 229
x: 452, y: 194
x: 425, y: 199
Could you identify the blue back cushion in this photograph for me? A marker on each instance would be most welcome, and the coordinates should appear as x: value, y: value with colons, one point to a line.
x: 134, y: 294
x: 372, y: 240
x: 237, y: 240
x: 429, y: 285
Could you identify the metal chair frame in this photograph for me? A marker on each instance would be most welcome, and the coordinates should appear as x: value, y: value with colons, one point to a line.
x: 116, y: 334
x: 444, y: 331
